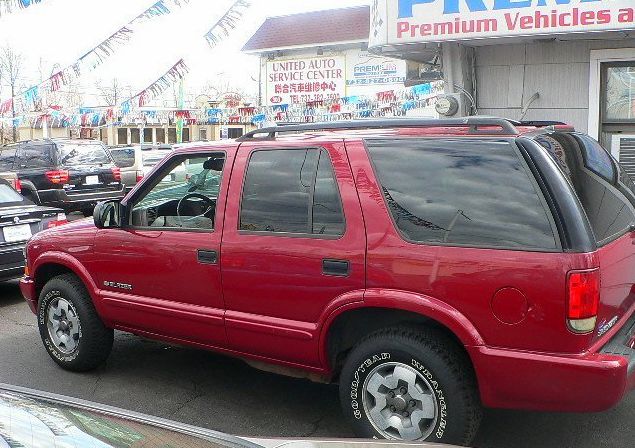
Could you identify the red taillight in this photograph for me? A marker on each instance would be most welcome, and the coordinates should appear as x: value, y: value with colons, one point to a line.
x: 57, y: 176
x: 583, y: 300
x: 17, y: 185
x: 116, y: 173
x: 60, y: 221
x: 139, y: 175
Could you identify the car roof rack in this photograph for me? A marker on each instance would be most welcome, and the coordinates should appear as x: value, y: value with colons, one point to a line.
x: 507, y: 127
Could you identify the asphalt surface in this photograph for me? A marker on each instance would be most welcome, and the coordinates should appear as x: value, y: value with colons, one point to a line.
x: 225, y: 394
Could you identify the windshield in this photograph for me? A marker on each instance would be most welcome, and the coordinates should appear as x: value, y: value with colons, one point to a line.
x: 8, y: 194
x: 82, y: 154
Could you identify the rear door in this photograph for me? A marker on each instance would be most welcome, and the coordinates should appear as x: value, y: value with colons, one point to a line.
x: 607, y: 195
x: 293, y: 248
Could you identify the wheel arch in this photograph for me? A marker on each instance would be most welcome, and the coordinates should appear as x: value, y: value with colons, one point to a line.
x: 52, y: 264
x: 350, y: 323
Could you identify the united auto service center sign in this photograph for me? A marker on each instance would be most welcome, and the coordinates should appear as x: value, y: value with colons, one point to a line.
x: 405, y: 21
x: 304, y: 80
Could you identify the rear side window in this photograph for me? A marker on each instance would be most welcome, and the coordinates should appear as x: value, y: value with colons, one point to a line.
x: 8, y: 194
x: 605, y: 191
x: 461, y: 192
x: 71, y: 154
x: 7, y: 157
x: 35, y: 156
x: 291, y: 191
x: 124, y: 157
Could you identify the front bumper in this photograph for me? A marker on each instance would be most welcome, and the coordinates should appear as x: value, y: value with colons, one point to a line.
x: 27, y: 288
x: 593, y: 382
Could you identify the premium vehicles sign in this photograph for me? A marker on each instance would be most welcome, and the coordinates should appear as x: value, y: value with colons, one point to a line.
x: 407, y: 21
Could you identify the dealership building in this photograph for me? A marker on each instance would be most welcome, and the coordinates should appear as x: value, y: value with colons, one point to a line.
x: 566, y: 60
x: 321, y: 58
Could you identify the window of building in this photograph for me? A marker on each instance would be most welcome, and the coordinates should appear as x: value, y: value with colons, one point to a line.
x: 464, y: 193
x: 186, y: 135
x: 122, y: 136
x: 160, y: 135
x: 235, y: 132
x: 202, y: 134
x: 135, y: 135
x: 617, y: 111
x: 291, y: 191
x: 171, y: 135
x: 147, y: 135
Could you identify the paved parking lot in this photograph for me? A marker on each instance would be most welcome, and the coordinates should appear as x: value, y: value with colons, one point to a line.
x: 225, y: 394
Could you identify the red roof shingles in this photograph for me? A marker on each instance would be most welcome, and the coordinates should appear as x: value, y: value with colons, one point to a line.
x: 311, y: 29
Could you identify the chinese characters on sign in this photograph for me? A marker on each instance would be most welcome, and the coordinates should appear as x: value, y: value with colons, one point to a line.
x: 305, y: 80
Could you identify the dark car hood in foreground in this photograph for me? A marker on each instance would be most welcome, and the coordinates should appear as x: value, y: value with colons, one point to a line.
x: 34, y: 419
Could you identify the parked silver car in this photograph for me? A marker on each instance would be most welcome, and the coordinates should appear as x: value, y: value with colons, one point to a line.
x: 135, y: 161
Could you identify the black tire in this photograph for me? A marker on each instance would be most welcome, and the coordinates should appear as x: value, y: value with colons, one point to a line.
x: 94, y: 341
x: 439, y: 361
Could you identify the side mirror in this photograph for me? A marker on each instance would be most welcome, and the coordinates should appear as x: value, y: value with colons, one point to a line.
x: 108, y: 214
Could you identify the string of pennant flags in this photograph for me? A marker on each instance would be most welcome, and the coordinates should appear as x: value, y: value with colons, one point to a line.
x: 8, y: 6
x: 90, y: 60
x: 391, y: 103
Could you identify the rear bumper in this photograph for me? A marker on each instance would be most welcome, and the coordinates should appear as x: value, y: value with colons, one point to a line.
x: 592, y: 382
x: 27, y: 287
x: 11, y: 262
x: 71, y: 202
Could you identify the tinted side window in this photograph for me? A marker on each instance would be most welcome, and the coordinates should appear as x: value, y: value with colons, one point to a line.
x: 7, y: 156
x: 605, y: 191
x: 277, y: 191
x: 291, y: 191
x: 124, y: 157
x: 35, y: 156
x: 461, y: 192
x: 328, y: 217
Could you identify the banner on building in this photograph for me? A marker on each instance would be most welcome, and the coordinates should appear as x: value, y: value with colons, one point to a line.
x: 305, y: 80
x: 366, y: 72
x: 409, y: 21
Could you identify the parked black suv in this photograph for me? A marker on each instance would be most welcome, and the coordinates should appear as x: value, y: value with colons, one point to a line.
x: 70, y: 174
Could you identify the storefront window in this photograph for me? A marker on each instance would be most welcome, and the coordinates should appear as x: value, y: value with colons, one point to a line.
x: 620, y: 93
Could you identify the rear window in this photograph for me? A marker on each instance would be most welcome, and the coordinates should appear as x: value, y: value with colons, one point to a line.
x: 464, y: 192
x: 82, y: 154
x: 604, y: 189
x: 8, y: 194
x: 124, y: 157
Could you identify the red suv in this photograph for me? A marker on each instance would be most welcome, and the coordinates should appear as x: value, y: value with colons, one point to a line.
x: 429, y: 267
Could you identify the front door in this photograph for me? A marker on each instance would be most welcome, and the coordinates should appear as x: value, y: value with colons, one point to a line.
x: 294, y: 250
x: 160, y: 274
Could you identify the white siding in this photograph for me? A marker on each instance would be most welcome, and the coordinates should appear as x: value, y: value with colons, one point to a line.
x: 508, y: 76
